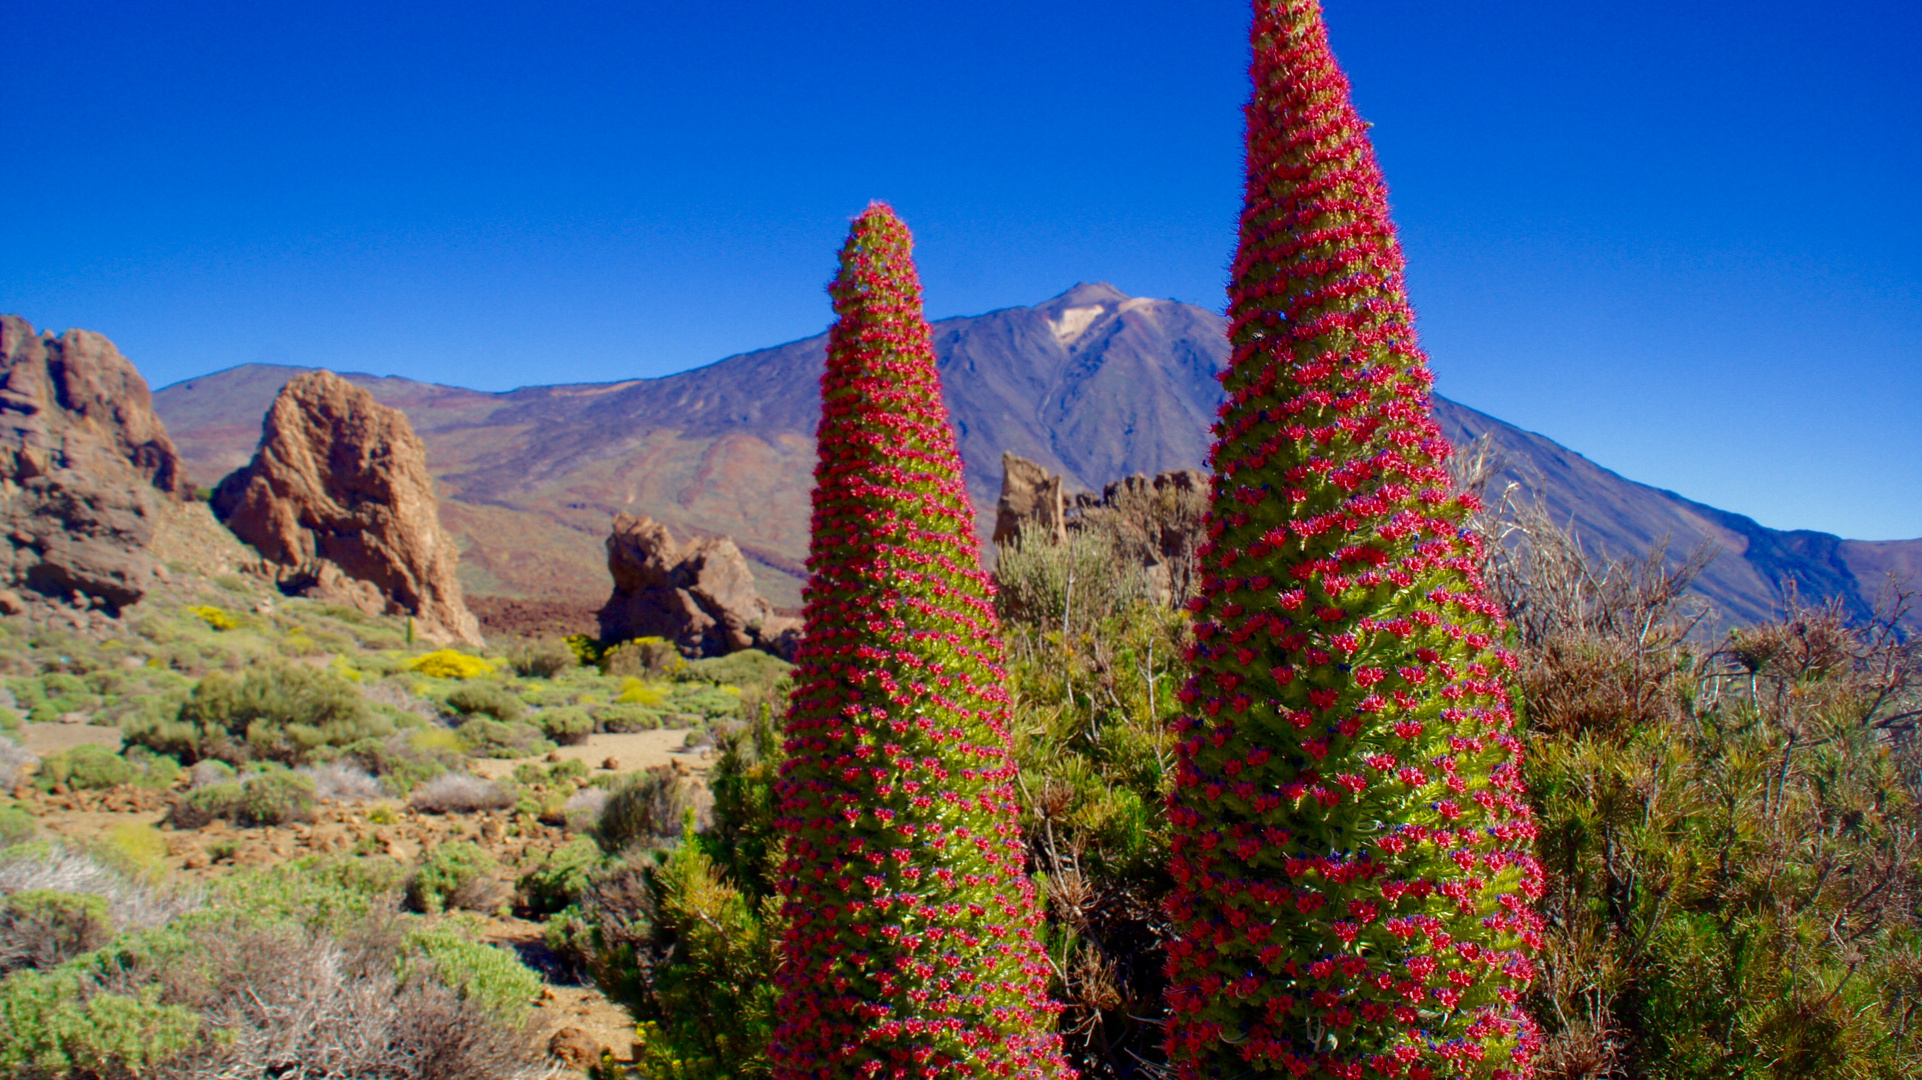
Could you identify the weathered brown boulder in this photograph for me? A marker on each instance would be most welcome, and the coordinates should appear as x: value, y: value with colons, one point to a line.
x: 338, y: 499
x: 1029, y: 493
x: 700, y: 596
x: 83, y: 461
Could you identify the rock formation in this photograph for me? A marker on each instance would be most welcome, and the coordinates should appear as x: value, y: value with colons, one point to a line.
x: 339, y: 501
x: 1156, y: 520
x: 1029, y: 493
x: 84, y: 463
x: 700, y: 596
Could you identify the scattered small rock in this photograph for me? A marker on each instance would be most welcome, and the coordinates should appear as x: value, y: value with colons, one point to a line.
x: 612, y: 764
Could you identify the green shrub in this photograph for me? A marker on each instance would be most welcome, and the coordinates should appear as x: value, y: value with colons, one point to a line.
x: 642, y: 657
x: 541, y: 659
x: 324, y: 894
x: 747, y: 668
x: 277, y: 798
x: 454, y: 875
x: 156, y: 772
x: 489, y: 977
x: 209, y: 802
x: 16, y: 827
x: 52, y: 1026
x: 271, y: 712
x: 87, y: 766
x: 408, y: 759
x: 480, y: 699
x: 570, y: 939
x: 625, y: 718
x: 42, y: 928
x: 569, y: 726
x: 710, y: 1010
x: 560, y: 878
x: 492, y: 738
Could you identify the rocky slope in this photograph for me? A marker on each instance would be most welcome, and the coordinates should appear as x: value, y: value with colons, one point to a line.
x: 339, y: 500
x: 1093, y: 384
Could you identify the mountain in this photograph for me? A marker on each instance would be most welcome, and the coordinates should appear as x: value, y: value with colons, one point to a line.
x: 1093, y: 384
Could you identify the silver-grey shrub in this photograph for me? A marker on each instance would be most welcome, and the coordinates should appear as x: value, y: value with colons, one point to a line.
x: 134, y: 905
x: 460, y: 793
x: 338, y: 781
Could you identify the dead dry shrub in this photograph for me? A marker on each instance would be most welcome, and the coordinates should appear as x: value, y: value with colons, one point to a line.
x: 651, y: 807
x: 460, y: 793
x: 297, y: 1005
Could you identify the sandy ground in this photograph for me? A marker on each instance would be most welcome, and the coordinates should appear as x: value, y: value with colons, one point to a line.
x: 634, y: 750
x: 631, y: 751
x: 44, y: 739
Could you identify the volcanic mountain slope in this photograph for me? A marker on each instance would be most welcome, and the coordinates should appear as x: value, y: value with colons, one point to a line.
x: 1093, y: 384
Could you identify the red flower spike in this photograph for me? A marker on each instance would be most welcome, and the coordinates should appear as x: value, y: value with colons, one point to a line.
x: 911, y: 947
x: 1383, y: 863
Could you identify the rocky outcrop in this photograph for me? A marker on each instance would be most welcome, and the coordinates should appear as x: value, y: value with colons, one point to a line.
x: 339, y: 501
x: 701, y: 596
x: 1153, y: 520
x: 1029, y: 494
x: 84, y: 466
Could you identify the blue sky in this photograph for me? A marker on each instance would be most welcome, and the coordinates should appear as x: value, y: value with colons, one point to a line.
x: 1681, y: 237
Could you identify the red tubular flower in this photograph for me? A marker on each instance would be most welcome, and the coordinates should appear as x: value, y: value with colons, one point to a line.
x: 1348, y: 723
x: 911, y: 947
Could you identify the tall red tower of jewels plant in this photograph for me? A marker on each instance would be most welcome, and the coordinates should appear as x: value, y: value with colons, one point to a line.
x: 911, y: 946
x: 1351, y: 843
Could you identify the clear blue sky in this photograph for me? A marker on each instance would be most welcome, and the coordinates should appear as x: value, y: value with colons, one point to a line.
x: 1680, y: 237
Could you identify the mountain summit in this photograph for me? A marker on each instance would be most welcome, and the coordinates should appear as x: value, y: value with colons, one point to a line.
x: 1092, y: 384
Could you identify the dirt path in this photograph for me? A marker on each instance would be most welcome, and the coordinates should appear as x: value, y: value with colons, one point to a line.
x: 631, y: 751
x: 44, y: 739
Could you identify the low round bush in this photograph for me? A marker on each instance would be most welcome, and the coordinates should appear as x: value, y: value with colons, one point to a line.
x: 448, y: 664
x: 541, y: 659
x: 278, y: 798
x: 643, y: 656
x: 561, y: 877
x: 41, y: 928
x: 493, y: 738
x: 16, y: 826
x: 454, y: 875
x: 85, y: 767
x: 267, y: 712
x: 483, y: 700
x: 568, y: 726
x: 487, y: 976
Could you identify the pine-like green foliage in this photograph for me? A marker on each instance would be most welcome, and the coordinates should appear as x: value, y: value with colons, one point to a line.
x: 1351, y: 845
x: 910, y: 946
